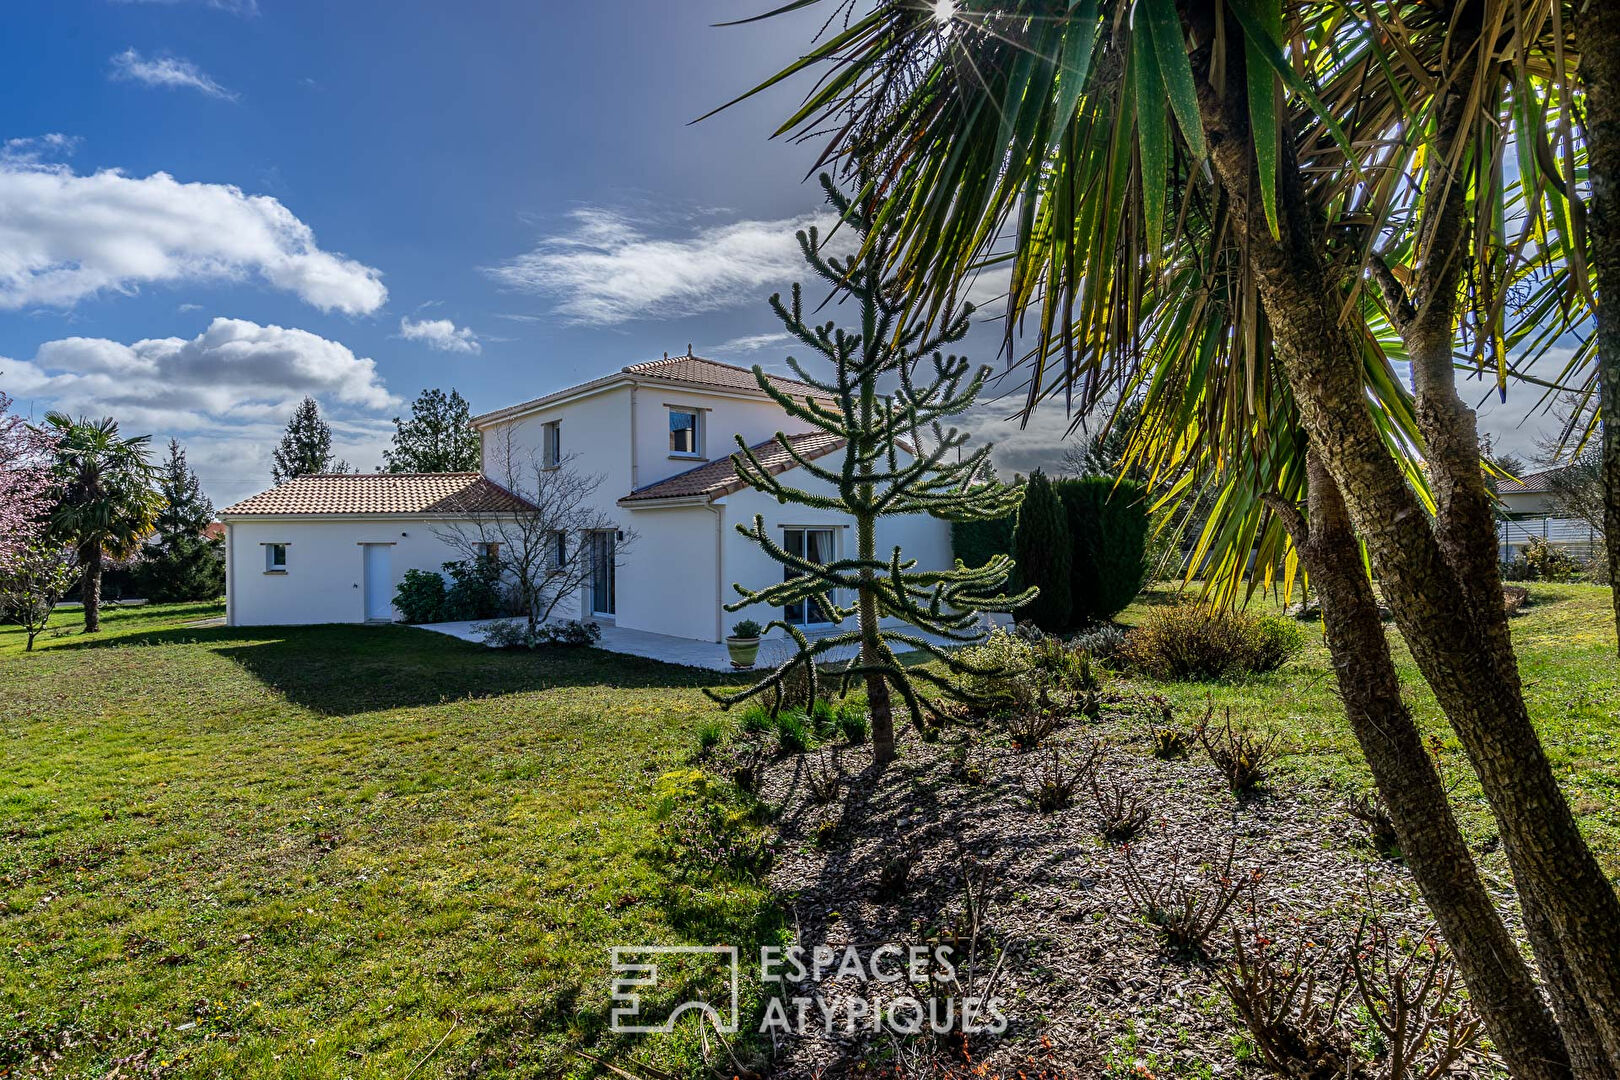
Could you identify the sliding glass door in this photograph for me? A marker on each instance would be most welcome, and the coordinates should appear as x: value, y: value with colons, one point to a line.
x: 817, y: 546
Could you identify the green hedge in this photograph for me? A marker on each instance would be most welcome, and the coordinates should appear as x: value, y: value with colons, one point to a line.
x: 977, y: 542
x: 1108, y: 527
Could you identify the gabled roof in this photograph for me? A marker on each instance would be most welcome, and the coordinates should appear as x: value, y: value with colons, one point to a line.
x: 694, y: 371
x: 1536, y: 483
x: 381, y: 493
x: 713, y: 479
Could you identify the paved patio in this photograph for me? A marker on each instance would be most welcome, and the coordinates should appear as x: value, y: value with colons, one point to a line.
x: 686, y: 652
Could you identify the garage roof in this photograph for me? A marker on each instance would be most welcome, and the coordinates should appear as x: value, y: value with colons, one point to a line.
x: 381, y: 493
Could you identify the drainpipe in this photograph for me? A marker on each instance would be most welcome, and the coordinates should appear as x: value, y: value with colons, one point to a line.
x: 230, y: 574
x: 635, y: 471
x: 719, y: 510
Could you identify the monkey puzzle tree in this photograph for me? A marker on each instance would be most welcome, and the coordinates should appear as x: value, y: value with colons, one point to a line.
x: 897, y: 459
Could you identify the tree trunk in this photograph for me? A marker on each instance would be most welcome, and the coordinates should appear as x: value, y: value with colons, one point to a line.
x: 1432, y: 845
x: 1600, y: 71
x: 90, y: 586
x: 878, y: 699
x: 1455, y: 653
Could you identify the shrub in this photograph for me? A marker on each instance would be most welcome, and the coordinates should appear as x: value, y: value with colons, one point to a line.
x: 1170, y: 743
x: 853, y: 724
x: 1540, y: 561
x: 1243, y: 758
x: 1108, y: 528
x: 1120, y: 814
x: 474, y: 591
x: 420, y: 597
x: 1369, y: 809
x: 1041, y: 545
x: 1025, y: 672
x: 823, y: 719
x: 515, y: 634
x: 746, y: 629
x: 1104, y: 643
x: 1185, y: 913
x: 792, y: 734
x: 755, y: 719
x: 1054, y: 786
x: 1187, y: 641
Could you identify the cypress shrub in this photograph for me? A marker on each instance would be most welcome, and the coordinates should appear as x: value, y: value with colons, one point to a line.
x: 1108, y: 528
x: 1041, y: 545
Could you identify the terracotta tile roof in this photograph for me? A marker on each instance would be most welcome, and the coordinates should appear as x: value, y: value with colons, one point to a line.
x: 702, y: 372
x: 381, y: 493
x: 716, y: 478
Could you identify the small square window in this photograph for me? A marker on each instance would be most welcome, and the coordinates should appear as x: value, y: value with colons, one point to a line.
x: 490, y: 551
x: 551, y: 451
x: 275, y: 558
x: 686, y: 432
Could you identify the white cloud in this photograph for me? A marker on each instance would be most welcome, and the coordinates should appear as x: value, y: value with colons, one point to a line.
x: 65, y: 237
x: 37, y: 148
x: 235, y: 372
x: 167, y: 72
x: 755, y: 342
x: 441, y: 334
x: 606, y: 269
x: 236, y: 7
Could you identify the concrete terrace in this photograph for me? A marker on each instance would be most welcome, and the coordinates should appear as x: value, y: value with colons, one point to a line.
x: 686, y: 652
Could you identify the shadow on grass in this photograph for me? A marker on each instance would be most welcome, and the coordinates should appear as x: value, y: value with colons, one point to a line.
x: 342, y: 670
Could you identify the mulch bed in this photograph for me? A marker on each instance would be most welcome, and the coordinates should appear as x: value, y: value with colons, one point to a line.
x: 1089, y: 988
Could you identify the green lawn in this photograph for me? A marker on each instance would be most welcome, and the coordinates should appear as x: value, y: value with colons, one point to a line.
x: 315, y: 851
x: 320, y: 851
x: 1566, y: 647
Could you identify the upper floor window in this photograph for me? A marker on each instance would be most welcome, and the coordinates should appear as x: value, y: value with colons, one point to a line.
x: 551, y: 446
x: 686, y: 432
x: 275, y: 558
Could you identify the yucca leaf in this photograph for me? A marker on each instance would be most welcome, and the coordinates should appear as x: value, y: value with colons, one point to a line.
x: 1163, y: 25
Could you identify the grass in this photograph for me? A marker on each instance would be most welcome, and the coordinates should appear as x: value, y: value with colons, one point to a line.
x: 319, y: 851
x: 1566, y: 647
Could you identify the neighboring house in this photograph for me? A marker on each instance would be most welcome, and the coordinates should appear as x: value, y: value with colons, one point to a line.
x: 659, y: 435
x: 1528, y: 513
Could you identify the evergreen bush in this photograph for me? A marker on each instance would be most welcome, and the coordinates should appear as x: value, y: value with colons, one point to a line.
x: 1108, y: 529
x: 1042, y: 547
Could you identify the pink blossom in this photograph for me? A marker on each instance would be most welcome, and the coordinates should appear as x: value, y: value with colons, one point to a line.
x: 25, y: 480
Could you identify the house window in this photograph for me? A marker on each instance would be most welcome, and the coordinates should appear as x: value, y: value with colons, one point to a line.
x: 551, y: 451
x: 275, y: 558
x: 557, y: 545
x: 813, y: 545
x: 686, y: 432
x: 490, y: 551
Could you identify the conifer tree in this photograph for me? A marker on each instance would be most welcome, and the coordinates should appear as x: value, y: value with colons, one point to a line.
x: 438, y: 437
x: 897, y: 458
x: 183, y: 563
x: 1043, y: 547
x: 306, y: 448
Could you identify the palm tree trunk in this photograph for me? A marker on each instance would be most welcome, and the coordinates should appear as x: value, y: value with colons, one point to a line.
x: 1600, y: 71
x: 90, y: 586
x: 1483, y: 701
x: 1499, y: 982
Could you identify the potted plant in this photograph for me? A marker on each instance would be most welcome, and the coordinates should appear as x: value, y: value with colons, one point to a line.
x: 743, y: 644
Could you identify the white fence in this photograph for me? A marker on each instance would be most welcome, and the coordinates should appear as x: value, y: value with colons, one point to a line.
x: 1571, y: 534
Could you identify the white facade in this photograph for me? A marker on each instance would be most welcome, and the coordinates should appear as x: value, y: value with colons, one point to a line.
x: 324, y: 578
x: 645, y: 425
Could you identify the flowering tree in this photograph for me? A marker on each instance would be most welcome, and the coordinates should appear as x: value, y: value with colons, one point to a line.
x: 25, y: 482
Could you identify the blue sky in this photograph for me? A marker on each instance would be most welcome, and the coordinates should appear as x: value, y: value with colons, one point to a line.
x: 209, y: 208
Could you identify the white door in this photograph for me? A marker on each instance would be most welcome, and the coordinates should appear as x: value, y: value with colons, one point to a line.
x: 379, y: 582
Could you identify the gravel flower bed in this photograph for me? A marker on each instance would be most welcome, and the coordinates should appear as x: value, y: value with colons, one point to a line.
x: 1089, y: 986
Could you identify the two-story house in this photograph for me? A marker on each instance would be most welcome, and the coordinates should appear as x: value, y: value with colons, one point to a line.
x: 659, y: 436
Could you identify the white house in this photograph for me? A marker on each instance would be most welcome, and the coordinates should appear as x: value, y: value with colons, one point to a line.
x: 1530, y: 512
x: 659, y: 435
